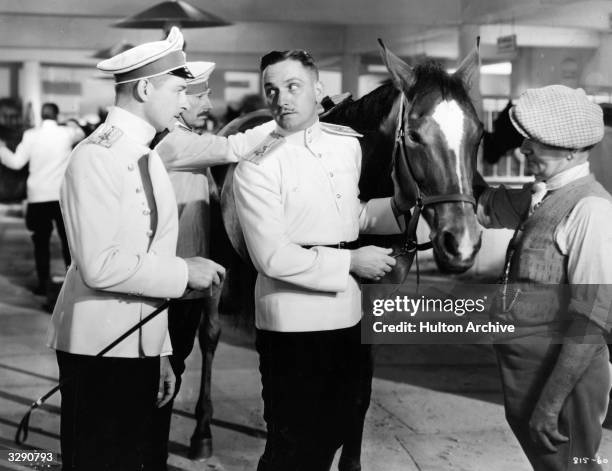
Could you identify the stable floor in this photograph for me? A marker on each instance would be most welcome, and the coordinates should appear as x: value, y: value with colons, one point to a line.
x: 434, y: 408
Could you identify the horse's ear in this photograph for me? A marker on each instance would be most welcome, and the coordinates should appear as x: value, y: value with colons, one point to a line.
x: 469, y: 65
x: 401, y: 73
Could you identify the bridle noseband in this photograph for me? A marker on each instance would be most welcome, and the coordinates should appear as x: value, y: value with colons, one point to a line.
x: 411, y: 245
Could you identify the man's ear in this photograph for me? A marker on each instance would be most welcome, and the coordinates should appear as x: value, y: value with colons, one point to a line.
x: 319, y: 91
x: 142, y: 90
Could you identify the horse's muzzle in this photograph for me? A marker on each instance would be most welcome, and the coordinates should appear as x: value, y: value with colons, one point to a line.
x: 455, y: 251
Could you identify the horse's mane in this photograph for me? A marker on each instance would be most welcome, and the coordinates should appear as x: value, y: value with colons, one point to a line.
x: 370, y: 110
x: 430, y: 75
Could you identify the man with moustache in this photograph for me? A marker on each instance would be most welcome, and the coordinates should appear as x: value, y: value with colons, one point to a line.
x: 555, y: 373
x: 296, y: 192
x: 121, y: 222
x: 297, y: 199
x: 186, y: 314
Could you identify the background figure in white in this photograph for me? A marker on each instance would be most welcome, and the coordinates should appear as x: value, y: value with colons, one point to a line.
x: 47, y: 149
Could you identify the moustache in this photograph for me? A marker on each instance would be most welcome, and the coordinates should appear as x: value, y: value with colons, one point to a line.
x: 285, y: 110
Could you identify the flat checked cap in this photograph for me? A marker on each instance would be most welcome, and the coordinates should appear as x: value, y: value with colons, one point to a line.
x: 149, y: 60
x: 558, y: 116
x: 201, y: 73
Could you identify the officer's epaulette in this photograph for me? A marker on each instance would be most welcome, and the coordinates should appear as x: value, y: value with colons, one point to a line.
x: 272, y: 141
x: 339, y: 130
x: 105, y: 136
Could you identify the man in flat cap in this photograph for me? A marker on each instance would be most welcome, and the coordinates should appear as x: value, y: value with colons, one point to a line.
x: 121, y: 221
x: 196, y: 310
x: 555, y: 374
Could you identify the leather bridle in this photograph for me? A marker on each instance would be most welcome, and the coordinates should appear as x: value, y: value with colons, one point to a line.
x: 411, y: 247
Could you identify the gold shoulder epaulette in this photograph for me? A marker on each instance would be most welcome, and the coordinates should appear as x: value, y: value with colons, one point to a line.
x: 105, y: 136
x: 340, y: 130
x: 272, y: 141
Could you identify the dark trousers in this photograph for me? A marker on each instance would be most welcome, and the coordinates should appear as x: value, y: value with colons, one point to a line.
x: 39, y: 219
x: 525, y: 365
x: 184, y: 318
x: 107, y: 412
x: 314, y: 393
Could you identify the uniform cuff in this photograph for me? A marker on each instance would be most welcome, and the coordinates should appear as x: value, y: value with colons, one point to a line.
x: 334, y: 268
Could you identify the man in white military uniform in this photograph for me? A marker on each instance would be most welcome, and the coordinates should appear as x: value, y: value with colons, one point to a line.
x: 297, y: 200
x: 296, y: 193
x: 197, y: 310
x: 121, y: 222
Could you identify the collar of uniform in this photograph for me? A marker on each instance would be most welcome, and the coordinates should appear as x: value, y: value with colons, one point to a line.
x: 567, y: 176
x: 137, y: 129
x: 305, y: 137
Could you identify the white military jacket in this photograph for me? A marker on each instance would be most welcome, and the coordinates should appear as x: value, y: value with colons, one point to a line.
x: 192, y: 196
x: 302, y: 189
x: 120, y: 267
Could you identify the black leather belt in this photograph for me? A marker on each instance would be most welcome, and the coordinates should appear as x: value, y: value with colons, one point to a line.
x: 354, y: 244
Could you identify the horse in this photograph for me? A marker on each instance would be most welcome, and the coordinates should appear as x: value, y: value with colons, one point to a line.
x: 421, y: 138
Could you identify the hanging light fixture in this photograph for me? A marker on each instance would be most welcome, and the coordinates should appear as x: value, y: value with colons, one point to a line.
x: 171, y: 13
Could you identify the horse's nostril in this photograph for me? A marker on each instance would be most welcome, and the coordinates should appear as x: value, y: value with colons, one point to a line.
x: 450, y: 244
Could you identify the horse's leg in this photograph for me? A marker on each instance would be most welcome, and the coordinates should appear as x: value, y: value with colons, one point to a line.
x: 350, y: 458
x: 208, y: 335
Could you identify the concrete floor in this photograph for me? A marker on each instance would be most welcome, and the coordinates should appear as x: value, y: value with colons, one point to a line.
x: 433, y: 407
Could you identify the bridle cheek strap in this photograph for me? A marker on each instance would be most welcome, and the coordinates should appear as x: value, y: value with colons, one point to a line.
x: 403, y: 171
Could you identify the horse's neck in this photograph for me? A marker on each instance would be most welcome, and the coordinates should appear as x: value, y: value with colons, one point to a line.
x: 375, y: 179
x: 375, y: 116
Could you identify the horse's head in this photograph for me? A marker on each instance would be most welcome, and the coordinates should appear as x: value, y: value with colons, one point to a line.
x: 438, y: 134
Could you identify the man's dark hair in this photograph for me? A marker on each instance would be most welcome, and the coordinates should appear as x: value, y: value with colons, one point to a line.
x: 49, y: 111
x: 300, y: 55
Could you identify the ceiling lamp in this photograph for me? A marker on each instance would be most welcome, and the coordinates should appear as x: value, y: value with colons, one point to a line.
x: 171, y: 13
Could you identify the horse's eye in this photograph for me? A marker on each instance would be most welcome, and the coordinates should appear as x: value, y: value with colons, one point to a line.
x: 414, y: 137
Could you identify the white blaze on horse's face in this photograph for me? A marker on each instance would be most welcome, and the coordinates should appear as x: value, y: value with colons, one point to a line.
x: 449, y: 117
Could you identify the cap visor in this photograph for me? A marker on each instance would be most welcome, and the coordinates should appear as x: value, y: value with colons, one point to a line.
x: 183, y: 72
x: 517, y: 124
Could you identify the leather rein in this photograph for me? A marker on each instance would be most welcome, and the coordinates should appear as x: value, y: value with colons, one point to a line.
x: 411, y: 246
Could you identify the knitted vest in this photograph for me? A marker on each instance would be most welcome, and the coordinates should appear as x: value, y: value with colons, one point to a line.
x: 538, y: 274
